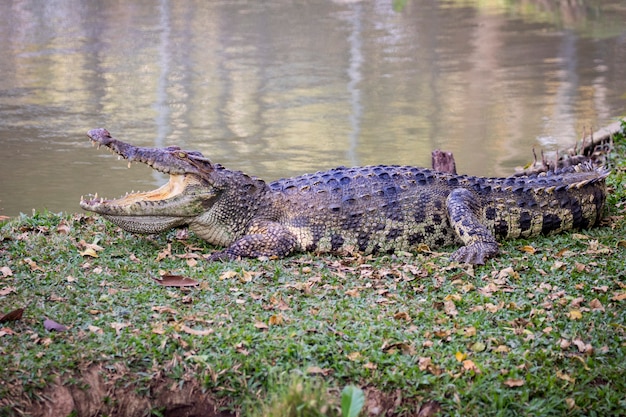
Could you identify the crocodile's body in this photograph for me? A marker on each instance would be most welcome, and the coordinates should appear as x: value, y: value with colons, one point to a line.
x: 370, y: 209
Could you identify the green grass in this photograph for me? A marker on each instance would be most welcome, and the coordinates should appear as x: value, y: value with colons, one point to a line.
x: 539, y: 334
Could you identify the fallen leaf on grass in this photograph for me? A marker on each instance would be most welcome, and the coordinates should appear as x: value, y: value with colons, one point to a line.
x: 575, y: 315
x: 402, y: 315
x: 6, y: 331
x: 261, y: 326
x: 478, y: 347
x: 53, y: 326
x: 12, y: 316
x: 619, y: 296
x: 7, y: 291
x: 276, y: 320
x: 596, y: 305
x: 528, y: 249
x: 63, y: 228
x: 33, y: 265
x: 514, y: 383
x: 565, y: 377
x: 95, y: 329
x: 119, y: 326
x: 460, y: 356
x: 228, y: 275
x: 582, y: 346
x: 6, y: 272
x: 403, y: 347
x: 195, y: 332
x: 175, y: 281
x: 164, y: 253
x: 450, y: 308
x: 469, y: 365
x: 316, y: 370
x: 469, y: 331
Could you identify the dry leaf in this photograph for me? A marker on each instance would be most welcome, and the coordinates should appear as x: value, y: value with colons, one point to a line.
x: 352, y: 293
x: 619, y: 296
x: 575, y: 315
x: 52, y: 325
x: 565, y: 377
x: 469, y: 365
x: 571, y: 403
x: 89, y: 252
x: 6, y: 271
x: 402, y: 315
x: 404, y: 347
x: 316, y: 370
x: 469, y: 331
x: 260, y: 325
x: 478, y: 347
x: 175, y: 281
x: 119, y: 326
x: 6, y: 331
x: 528, y: 249
x: 12, y: 315
x: 450, y: 308
x: 514, y: 383
x: 164, y: 253
x: 63, y: 228
x: 228, y: 274
x: 33, y: 265
x: 502, y: 349
x: 195, y: 332
x: 582, y: 346
x: 354, y: 356
x: 7, y: 291
x: 460, y: 357
x: 95, y: 329
x: 596, y: 305
x: 424, y: 363
x: 371, y: 366
x: 276, y: 320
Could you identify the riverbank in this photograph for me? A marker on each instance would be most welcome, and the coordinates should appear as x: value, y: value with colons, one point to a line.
x: 538, y: 331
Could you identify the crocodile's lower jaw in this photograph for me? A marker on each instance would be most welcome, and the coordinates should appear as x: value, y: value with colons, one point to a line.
x: 144, y: 224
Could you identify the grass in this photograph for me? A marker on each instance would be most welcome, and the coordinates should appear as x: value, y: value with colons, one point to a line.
x: 539, y: 331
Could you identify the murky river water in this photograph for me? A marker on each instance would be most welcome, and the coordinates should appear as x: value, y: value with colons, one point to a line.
x: 278, y: 88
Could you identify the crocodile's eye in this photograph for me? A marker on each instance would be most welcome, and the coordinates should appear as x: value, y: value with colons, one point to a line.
x: 182, y: 155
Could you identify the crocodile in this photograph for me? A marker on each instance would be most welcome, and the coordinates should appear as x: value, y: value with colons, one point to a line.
x: 369, y: 209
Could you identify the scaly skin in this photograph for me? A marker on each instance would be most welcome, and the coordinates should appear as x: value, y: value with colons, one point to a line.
x: 371, y: 209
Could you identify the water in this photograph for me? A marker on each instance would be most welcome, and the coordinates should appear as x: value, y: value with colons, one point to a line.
x: 280, y: 88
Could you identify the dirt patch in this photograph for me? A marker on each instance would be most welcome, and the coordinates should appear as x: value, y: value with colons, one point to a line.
x: 94, y: 392
x: 95, y: 395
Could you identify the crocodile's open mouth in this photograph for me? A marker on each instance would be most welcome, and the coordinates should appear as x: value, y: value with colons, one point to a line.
x: 175, y: 186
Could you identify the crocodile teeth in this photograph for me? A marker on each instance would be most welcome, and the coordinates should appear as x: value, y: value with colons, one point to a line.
x: 128, y: 164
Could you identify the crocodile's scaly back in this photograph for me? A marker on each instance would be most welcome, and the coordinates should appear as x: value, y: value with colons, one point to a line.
x: 370, y: 209
x: 386, y: 208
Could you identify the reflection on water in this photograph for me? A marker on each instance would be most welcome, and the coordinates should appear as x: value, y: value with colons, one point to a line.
x: 281, y: 88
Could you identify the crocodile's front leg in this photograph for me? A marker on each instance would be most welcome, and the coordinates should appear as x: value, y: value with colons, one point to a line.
x: 463, y: 213
x: 262, y: 239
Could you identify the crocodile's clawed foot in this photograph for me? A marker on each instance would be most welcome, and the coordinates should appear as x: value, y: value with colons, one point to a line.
x: 475, y: 253
x: 222, y: 255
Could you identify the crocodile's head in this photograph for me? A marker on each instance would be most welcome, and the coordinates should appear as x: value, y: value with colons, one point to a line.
x: 190, y: 191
